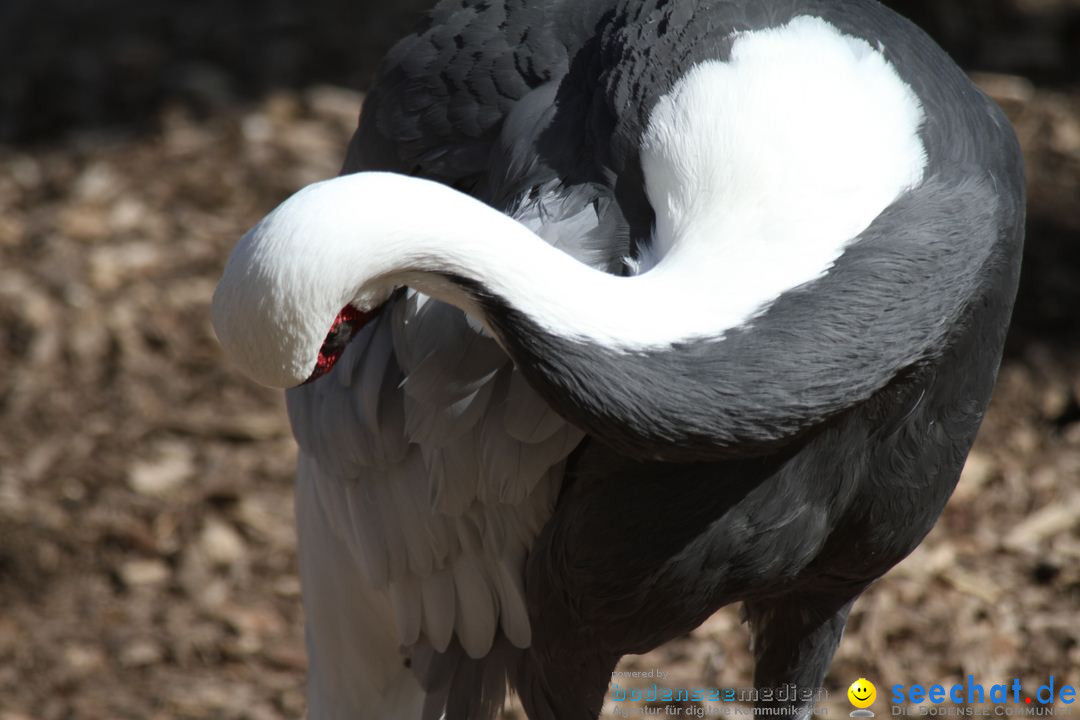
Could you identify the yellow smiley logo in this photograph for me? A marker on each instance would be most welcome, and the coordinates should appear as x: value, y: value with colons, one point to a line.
x: 862, y: 693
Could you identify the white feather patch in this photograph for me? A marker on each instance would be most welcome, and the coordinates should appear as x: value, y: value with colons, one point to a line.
x: 762, y: 169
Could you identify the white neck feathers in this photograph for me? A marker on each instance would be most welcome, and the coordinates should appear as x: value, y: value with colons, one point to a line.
x: 760, y: 171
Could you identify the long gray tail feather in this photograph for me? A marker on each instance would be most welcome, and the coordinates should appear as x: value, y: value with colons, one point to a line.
x: 461, y: 688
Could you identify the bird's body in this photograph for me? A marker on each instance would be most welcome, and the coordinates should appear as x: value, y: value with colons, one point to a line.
x: 791, y: 231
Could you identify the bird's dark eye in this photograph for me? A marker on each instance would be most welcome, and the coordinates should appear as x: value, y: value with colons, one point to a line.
x: 341, y: 332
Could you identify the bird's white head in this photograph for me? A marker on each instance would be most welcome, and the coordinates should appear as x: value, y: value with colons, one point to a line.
x: 294, y: 292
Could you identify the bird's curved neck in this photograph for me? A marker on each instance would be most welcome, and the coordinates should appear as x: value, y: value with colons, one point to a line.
x: 461, y: 251
x: 405, y: 231
x: 608, y: 352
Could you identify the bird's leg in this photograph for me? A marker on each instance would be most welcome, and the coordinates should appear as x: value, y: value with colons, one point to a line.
x: 794, y: 638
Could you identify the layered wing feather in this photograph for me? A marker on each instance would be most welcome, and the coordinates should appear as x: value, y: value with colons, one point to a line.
x: 436, y: 465
x: 431, y: 465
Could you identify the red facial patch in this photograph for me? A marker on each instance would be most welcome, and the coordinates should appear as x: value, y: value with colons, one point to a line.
x: 345, y: 326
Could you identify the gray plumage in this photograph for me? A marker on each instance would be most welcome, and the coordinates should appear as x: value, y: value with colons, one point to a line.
x: 535, y: 517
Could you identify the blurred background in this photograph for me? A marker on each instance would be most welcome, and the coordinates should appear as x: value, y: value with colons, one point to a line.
x: 147, y: 565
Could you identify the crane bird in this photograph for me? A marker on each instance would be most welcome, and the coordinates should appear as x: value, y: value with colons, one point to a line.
x: 622, y: 311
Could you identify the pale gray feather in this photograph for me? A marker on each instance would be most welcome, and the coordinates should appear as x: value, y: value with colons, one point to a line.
x: 436, y: 466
